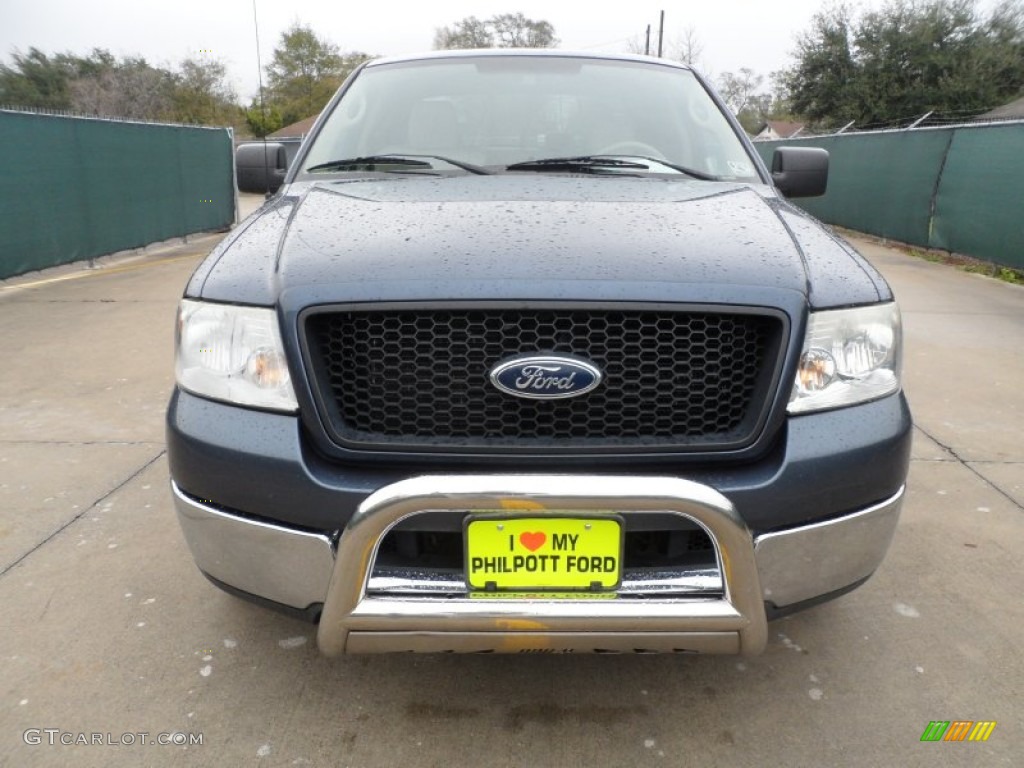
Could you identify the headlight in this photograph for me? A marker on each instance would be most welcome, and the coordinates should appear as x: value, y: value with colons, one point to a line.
x: 849, y: 356
x: 233, y: 354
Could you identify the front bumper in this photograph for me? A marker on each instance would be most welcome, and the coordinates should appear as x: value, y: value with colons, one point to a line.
x: 722, y: 612
x: 263, y: 465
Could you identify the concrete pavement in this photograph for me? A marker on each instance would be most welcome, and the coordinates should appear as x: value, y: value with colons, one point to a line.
x: 110, y: 630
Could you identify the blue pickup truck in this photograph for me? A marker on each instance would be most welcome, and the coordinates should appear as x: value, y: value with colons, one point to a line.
x: 531, y: 353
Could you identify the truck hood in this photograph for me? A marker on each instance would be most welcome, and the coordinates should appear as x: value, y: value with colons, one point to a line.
x: 529, y: 236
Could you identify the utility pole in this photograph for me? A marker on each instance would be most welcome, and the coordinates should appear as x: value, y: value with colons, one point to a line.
x: 661, y: 33
x: 647, y: 45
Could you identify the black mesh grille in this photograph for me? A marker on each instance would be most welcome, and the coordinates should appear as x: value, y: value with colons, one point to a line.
x: 421, y: 377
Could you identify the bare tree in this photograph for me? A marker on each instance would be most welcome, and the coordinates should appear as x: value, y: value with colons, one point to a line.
x: 471, y: 32
x: 637, y: 45
x: 687, y: 47
x: 131, y: 89
x: 739, y: 90
x: 513, y: 30
x: 506, y: 30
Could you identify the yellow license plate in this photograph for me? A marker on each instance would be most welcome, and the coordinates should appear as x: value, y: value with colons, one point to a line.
x: 479, y: 594
x: 543, y: 553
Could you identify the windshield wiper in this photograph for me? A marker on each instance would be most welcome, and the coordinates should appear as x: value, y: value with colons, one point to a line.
x: 597, y: 162
x: 582, y: 163
x: 369, y: 162
x: 683, y: 169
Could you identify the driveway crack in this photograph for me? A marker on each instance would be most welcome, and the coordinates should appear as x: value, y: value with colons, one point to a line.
x: 80, y: 442
x: 85, y: 509
x: 966, y: 464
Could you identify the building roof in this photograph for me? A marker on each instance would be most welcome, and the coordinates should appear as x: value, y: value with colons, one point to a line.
x: 1013, y: 109
x: 295, y: 130
x: 782, y: 128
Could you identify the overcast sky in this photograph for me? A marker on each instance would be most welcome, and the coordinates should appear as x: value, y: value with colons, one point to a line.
x: 758, y: 34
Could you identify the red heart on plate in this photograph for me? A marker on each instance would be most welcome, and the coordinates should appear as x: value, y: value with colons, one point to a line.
x: 533, y: 541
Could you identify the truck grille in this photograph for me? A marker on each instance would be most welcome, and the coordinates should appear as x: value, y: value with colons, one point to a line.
x: 418, y: 378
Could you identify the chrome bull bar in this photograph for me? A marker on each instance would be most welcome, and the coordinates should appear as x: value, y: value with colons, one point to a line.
x: 355, y: 620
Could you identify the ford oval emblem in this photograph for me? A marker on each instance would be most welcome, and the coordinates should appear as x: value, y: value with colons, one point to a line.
x: 545, y: 377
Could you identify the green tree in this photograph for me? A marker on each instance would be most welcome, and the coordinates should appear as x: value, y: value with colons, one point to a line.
x: 97, y: 84
x: 305, y: 72
x: 506, y: 30
x: 262, y: 121
x: 912, y: 59
x: 102, y: 85
x: 908, y: 58
x: 820, y: 85
x: 1001, y: 54
x: 202, y: 94
x: 36, y: 80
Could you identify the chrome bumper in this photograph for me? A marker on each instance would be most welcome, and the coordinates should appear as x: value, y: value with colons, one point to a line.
x: 720, y: 613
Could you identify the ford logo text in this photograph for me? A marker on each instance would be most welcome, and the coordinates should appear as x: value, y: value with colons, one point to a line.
x: 539, y: 377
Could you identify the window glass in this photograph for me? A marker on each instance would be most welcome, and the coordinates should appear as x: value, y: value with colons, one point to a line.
x: 499, y: 110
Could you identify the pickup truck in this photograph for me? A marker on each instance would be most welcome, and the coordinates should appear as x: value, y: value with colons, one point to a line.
x: 531, y: 353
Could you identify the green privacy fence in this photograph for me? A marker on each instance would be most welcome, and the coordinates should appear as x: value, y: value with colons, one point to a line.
x: 959, y: 189
x: 74, y: 188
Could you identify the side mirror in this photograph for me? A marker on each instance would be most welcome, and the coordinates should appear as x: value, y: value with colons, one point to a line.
x: 800, y: 171
x: 261, y: 167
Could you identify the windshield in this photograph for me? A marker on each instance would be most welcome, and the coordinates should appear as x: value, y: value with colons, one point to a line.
x: 497, y: 111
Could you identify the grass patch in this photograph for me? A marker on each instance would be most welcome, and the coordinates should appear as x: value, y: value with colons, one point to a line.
x: 967, y: 264
x: 970, y: 264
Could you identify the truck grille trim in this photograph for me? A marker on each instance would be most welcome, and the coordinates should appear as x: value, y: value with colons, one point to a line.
x: 419, y: 378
